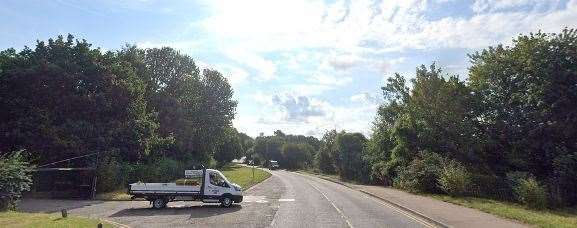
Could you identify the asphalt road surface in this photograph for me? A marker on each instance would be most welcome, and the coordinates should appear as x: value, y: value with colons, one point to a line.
x: 286, y: 199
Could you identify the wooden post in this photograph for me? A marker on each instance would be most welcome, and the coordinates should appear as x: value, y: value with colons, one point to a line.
x: 99, y: 225
x: 93, y: 192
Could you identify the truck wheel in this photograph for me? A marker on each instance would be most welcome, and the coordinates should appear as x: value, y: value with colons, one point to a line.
x: 158, y: 203
x: 226, y: 201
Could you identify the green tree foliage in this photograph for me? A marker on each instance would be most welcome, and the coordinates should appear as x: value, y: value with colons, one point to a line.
x: 326, y: 157
x: 192, y: 107
x: 297, y: 156
x: 15, y: 178
x: 454, y: 179
x: 134, y: 106
x: 247, y: 143
x: 273, y: 147
x: 422, y: 173
x: 269, y: 148
x: 228, y: 147
x: 513, y: 114
x: 529, y: 94
x: 531, y: 193
x: 350, y: 163
x: 64, y: 98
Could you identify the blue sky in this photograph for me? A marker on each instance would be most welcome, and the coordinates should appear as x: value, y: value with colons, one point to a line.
x: 301, y: 66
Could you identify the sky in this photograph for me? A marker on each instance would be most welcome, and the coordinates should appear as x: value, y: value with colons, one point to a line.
x: 301, y: 66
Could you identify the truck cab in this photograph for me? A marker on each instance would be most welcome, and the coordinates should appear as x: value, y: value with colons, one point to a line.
x: 206, y: 185
x: 218, y: 186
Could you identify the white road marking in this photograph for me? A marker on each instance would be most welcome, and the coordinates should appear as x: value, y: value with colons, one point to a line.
x: 255, y: 199
x: 286, y: 200
x: 335, y: 206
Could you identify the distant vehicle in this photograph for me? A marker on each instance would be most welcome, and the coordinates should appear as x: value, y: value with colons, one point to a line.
x: 206, y: 185
x: 273, y: 165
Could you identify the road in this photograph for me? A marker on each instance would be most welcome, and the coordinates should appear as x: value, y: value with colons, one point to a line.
x: 286, y: 199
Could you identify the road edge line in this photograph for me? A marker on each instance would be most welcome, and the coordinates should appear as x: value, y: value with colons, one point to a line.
x: 394, y: 204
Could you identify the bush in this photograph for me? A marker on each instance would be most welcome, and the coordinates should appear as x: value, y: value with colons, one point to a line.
x: 454, y: 179
x: 421, y: 174
x: 380, y: 174
x: 115, y: 175
x: 531, y: 193
x: 14, y: 178
x: 491, y: 186
x: 107, y: 173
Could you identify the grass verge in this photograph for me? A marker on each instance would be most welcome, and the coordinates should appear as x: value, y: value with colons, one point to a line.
x: 546, y: 218
x: 242, y: 175
x: 19, y: 219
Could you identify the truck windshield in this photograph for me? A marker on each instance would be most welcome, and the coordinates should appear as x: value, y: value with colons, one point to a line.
x: 217, y: 179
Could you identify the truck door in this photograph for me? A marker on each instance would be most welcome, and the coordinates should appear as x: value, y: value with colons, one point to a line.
x: 216, y: 185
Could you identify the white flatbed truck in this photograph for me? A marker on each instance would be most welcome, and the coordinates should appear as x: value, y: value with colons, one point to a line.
x: 206, y: 185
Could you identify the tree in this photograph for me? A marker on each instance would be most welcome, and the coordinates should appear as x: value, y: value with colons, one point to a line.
x: 529, y: 94
x: 15, y: 178
x: 296, y: 156
x: 192, y: 107
x: 327, y: 154
x: 228, y: 147
x: 349, y: 147
x: 136, y: 107
x: 64, y: 98
x: 247, y: 143
x: 269, y: 148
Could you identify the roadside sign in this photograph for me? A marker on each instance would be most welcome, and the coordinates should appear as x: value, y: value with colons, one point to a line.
x: 192, y: 173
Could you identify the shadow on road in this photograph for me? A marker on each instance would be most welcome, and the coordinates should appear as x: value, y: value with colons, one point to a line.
x: 36, y: 205
x: 197, y: 211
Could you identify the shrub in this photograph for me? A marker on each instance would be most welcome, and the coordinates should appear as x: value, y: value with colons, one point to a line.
x: 115, y: 175
x: 490, y: 186
x: 108, y: 171
x: 380, y: 174
x: 531, y: 193
x: 454, y: 179
x: 14, y: 178
x: 421, y: 174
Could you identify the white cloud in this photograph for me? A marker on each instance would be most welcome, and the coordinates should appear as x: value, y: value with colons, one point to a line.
x: 331, y: 80
x: 308, y: 89
x: 391, y: 25
x: 336, y: 37
x: 480, y: 6
x: 266, y: 69
x: 344, y: 62
x: 366, y: 98
x: 236, y: 76
x: 305, y: 115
